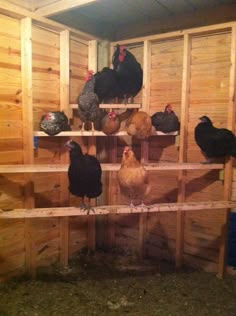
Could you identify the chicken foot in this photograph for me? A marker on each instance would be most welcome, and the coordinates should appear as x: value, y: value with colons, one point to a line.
x: 142, y: 205
x: 88, y: 208
x: 93, y: 129
x: 83, y: 205
x: 82, y: 128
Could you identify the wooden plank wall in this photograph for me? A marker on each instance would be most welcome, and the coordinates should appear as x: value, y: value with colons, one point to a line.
x: 165, y: 87
x: 45, y: 234
x: 209, y: 95
x: 12, y: 256
x: 209, y: 85
x: 209, y: 73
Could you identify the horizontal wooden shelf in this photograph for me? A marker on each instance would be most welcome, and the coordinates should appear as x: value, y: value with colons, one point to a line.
x: 113, y: 106
x: 115, y: 209
x: 106, y: 167
x: 95, y: 133
x: 79, y: 133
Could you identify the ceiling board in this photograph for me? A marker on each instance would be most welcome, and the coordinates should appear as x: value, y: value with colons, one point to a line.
x: 114, y: 19
x: 175, y: 7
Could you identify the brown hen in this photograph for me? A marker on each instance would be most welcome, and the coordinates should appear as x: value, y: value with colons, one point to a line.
x: 133, y: 178
x: 139, y: 124
x: 110, y: 123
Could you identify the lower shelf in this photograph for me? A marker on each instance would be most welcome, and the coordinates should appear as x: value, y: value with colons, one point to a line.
x: 39, y: 168
x: 116, y: 209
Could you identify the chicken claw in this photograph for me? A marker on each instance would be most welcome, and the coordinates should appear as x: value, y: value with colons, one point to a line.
x: 89, y: 208
x: 142, y: 205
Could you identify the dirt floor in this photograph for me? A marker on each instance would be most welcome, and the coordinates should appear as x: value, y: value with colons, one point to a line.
x: 105, y: 284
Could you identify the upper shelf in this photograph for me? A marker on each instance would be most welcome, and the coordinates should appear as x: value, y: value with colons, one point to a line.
x: 100, y: 133
x: 113, y: 106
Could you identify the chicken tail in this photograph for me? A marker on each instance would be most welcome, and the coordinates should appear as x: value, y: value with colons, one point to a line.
x: 233, y: 150
x: 132, y: 130
x: 125, y: 115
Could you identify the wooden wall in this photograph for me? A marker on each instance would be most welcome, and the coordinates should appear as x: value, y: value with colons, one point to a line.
x: 44, y: 234
x: 208, y: 93
x: 191, y: 71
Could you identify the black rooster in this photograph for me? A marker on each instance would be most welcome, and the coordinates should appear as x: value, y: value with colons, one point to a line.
x: 88, y: 102
x: 54, y: 122
x: 84, y: 174
x: 106, y: 85
x: 214, y: 142
x: 166, y: 121
x: 130, y: 73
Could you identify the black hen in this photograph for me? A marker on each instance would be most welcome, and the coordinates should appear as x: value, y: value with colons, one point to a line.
x: 84, y: 174
x: 130, y: 73
x: 54, y: 122
x: 106, y: 85
x: 166, y: 121
x: 214, y: 142
x: 88, y: 102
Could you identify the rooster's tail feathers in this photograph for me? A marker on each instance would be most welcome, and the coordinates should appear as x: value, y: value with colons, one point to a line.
x: 233, y: 150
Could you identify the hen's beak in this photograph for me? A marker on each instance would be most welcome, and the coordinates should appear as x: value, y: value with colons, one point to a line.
x: 68, y: 144
x: 126, y: 150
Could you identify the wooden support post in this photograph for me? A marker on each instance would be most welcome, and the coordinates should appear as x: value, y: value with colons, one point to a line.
x: 27, y: 101
x: 103, y: 54
x: 228, y: 173
x: 112, y: 183
x: 182, y: 150
x: 144, y: 143
x: 92, y: 219
x: 64, y: 158
x: 146, y: 76
x: 92, y: 150
x: 143, y: 216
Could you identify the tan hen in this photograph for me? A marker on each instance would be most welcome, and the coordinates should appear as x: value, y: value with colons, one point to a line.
x: 133, y: 178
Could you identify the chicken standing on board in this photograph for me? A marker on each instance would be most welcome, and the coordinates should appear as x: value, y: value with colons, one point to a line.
x: 129, y: 71
x: 110, y: 123
x: 54, y: 122
x: 166, y: 121
x: 132, y: 177
x: 214, y: 142
x: 139, y: 125
x: 106, y: 85
x: 84, y: 175
x: 88, y: 102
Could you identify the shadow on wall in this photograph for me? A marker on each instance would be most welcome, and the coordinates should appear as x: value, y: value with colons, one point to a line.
x: 199, y: 183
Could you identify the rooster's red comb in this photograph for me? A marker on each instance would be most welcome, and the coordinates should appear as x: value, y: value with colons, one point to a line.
x: 122, y: 47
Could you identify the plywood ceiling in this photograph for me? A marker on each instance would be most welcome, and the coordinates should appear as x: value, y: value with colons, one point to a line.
x: 119, y: 19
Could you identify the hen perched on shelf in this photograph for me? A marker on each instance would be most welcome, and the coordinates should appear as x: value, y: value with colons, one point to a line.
x: 139, y: 125
x: 54, y: 122
x: 214, y: 142
x: 106, y: 85
x: 88, y: 102
x: 132, y: 177
x: 110, y: 123
x: 84, y: 174
x: 130, y: 73
x: 166, y: 121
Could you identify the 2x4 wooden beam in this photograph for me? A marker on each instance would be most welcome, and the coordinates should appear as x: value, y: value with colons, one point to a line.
x: 182, y: 147
x: 228, y: 172
x: 40, y: 168
x: 115, y: 209
x: 61, y: 6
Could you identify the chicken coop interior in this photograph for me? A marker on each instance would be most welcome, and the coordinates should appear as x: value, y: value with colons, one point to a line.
x: 187, y: 51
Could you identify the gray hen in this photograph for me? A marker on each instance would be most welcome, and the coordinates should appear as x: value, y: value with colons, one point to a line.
x: 88, y: 102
